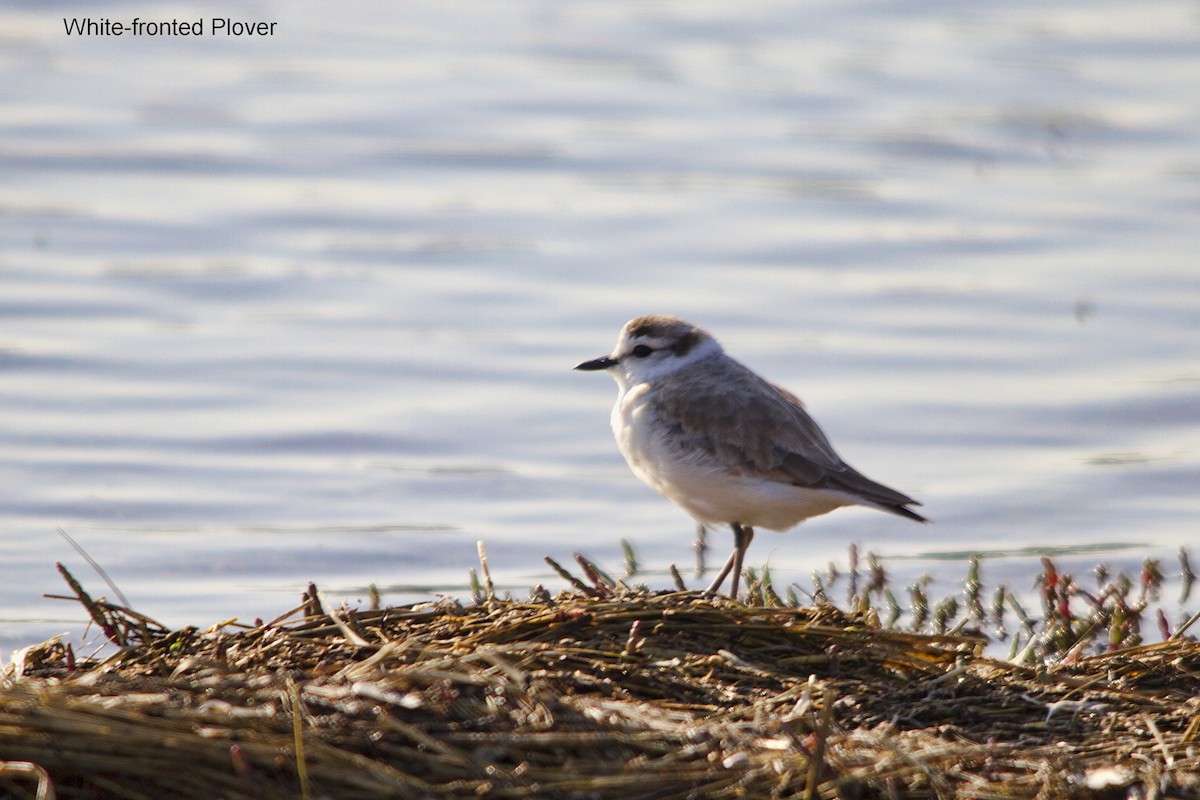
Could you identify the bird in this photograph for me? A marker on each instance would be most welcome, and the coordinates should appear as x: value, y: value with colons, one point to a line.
x: 723, y: 443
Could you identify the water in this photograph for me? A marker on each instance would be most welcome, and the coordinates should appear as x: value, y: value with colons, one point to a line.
x: 304, y: 307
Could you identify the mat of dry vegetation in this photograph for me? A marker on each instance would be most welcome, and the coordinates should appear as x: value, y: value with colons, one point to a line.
x: 628, y: 695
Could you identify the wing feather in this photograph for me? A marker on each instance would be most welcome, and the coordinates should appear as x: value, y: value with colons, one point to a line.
x: 750, y: 426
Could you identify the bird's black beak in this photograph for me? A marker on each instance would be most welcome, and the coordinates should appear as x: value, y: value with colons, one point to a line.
x: 603, y: 362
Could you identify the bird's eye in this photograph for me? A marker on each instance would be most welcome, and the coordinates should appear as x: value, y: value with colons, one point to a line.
x: 641, y: 351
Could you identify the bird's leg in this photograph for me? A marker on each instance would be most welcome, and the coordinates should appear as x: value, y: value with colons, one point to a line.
x: 741, y: 543
x: 715, y: 586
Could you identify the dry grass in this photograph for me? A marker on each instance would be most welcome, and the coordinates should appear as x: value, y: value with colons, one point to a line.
x: 603, y: 692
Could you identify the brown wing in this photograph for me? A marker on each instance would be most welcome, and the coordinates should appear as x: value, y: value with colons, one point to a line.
x: 755, y: 427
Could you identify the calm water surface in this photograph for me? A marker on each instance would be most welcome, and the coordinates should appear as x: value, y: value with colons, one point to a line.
x: 305, y: 307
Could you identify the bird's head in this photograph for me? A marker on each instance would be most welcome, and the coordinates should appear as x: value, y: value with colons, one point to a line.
x: 652, y: 347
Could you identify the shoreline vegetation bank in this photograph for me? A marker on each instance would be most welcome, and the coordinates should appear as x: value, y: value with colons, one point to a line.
x: 605, y: 691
